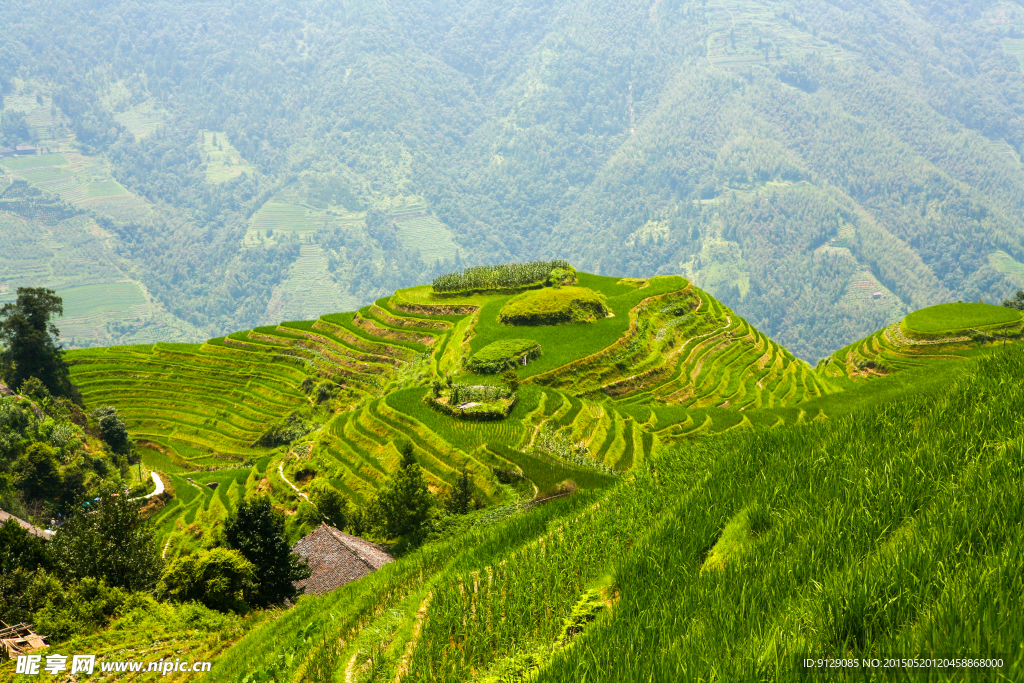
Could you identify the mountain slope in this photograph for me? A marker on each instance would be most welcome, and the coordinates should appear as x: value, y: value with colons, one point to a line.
x: 791, y: 158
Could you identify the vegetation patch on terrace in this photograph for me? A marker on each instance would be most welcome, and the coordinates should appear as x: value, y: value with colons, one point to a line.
x: 504, y: 277
x: 473, y: 402
x: 503, y: 355
x: 554, y: 307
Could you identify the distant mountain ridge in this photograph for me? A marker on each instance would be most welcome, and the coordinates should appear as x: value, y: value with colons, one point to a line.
x: 236, y: 164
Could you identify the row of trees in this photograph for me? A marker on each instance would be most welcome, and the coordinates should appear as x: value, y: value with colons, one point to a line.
x: 503, y: 276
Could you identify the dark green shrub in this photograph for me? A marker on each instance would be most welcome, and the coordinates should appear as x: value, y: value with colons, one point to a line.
x: 220, y: 578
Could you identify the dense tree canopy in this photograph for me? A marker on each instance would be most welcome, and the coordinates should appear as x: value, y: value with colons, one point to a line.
x: 403, y: 503
x: 256, y: 531
x: 30, y: 341
x: 108, y: 539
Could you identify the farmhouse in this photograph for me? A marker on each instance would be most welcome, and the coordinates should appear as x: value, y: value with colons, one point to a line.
x: 336, y: 558
x: 6, y: 152
x: 24, y: 149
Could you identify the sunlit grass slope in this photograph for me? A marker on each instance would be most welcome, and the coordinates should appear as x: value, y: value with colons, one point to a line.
x: 943, y: 332
x: 895, y: 531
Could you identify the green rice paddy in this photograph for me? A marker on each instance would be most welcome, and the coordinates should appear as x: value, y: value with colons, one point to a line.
x: 604, y: 399
x: 958, y: 317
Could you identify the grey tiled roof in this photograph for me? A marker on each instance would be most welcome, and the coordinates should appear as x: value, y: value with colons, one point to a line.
x: 4, y: 516
x: 336, y: 558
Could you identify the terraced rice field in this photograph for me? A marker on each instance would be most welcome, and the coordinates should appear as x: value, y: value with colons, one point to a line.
x: 417, y: 229
x: 282, y: 217
x: 75, y: 178
x: 91, y: 306
x: 943, y: 332
x: 744, y: 33
x: 194, y: 401
x: 143, y: 119
x: 309, y: 291
x: 1005, y: 263
x: 197, y: 410
x: 223, y: 161
x: 46, y: 127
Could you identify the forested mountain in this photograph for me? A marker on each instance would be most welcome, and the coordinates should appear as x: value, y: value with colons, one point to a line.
x: 822, y: 167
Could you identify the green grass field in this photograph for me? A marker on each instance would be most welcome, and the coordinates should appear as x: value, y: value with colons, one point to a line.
x: 958, y: 317
x: 709, y: 466
x: 565, y: 343
x: 721, y: 562
x: 34, y: 161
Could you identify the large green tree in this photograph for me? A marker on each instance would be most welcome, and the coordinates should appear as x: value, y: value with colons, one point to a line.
x: 404, y: 502
x: 20, y: 550
x: 30, y: 342
x: 110, y: 540
x: 38, y: 472
x: 256, y: 530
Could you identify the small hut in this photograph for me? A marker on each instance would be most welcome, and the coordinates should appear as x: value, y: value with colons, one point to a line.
x: 19, y: 639
x: 336, y: 558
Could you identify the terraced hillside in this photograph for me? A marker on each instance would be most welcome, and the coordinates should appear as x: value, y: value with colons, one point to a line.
x: 669, y: 361
x: 943, y: 332
x: 697, y: 568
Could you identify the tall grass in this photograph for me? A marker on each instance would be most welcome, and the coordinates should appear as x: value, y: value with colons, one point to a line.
x: 894, y: 532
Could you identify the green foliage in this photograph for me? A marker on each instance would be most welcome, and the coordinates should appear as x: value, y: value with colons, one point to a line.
x: 69, y: 609
x: 1017, y: 302
x: 109, y: 540
x: 112, y: 429
x: 475, y: 402
x: 256, y: 530
x: 331, y: 504
x: 511, y: 380
x: 505, y: 276
x: 20, y: 550
x: 29, y: 341
x: 504, y: 354
x: 219, y: 578
x: 38, y: 473
x: 554, y: 307
x: 284, y: 432
x: 461, y: 497
x: 14, y: 129
x: 403, y: 503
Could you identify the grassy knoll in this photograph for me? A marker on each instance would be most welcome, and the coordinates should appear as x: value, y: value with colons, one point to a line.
x: 565, y: 343
x: 553, y: 307
x: 958, y: 317
x: 504, y: 354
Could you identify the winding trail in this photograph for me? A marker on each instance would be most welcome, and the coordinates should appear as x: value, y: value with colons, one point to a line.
x: 280, y: 470
x: 159, y: 487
